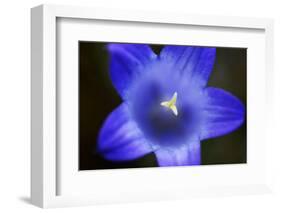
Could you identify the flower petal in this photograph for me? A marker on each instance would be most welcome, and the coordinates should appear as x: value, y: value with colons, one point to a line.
x: 120, y: 139
x: 223, y: 113
x: 195, y: 63
x: 190, y: 154
x: 126, y: 62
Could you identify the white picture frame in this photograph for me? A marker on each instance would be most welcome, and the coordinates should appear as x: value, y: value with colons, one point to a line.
x: 45, y: 151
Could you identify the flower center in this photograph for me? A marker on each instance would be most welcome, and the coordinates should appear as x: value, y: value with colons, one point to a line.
x: 165, y: 122
x: 171, y: 104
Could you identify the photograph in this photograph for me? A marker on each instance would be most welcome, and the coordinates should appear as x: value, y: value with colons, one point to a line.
x: 152, y: 105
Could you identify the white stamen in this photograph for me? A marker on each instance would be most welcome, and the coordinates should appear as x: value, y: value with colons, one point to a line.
x: 171, y: 104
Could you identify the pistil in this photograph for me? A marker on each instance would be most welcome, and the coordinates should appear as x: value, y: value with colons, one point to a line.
x: 171, y: 104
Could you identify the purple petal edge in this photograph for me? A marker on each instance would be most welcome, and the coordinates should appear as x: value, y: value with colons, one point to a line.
x: 195, y: 64
x: 187, y: 155
x: 126, y: 63
x: 120, y: 139
x: 223, y: 113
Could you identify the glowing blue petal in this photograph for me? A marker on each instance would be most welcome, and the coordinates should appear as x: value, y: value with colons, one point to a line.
x: 223, y: 113
x: 189, y: 154
x: 127, y: 61
x: 120, y: 139
x: 195, y: 64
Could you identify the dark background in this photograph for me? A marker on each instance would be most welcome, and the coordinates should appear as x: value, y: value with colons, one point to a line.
x: 97, y: 98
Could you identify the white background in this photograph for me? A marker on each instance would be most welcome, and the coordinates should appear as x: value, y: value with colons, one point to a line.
x: 15, y: 105
x: 72, y: 182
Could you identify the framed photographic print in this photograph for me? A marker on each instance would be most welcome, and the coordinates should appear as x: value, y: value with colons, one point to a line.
x: 130, y: 106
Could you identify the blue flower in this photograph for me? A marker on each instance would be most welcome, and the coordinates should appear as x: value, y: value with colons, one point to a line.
x: 167, y: 108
